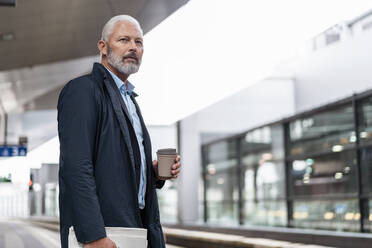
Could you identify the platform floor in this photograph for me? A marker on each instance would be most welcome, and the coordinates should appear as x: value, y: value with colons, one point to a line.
x: 17, y: 234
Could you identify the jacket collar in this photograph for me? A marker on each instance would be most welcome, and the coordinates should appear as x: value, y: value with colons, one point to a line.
x: 101, y: 73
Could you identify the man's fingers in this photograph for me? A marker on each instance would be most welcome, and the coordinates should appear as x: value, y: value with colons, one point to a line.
x: 155, y: 163
x: 178, y: 158
x: 113, y: 244
x: 175, y: 172
x: 176, y: 166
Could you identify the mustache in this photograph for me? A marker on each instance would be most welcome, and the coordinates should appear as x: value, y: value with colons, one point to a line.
x: 132, y: 56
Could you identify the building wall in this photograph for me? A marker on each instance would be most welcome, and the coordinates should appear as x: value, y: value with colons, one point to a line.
x: 38, y: 126
x: 13, y: 200
x: 188, y: 183
x: 333, y: 72
x: 320, y: 74
x: 162, y: 137
x: 323, y: 165
x: 165, y: 137
x: 263, y: 102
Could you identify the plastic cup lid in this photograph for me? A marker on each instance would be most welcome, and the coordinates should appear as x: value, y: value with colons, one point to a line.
x: 167, y: 151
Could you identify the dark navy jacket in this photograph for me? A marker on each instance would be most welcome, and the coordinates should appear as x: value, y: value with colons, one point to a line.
x: 97, y: 176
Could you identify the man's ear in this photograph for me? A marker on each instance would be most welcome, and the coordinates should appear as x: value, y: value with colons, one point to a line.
x: 102, y: 47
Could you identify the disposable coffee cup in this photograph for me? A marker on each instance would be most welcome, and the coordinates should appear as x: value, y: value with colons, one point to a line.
x: 166, y: 158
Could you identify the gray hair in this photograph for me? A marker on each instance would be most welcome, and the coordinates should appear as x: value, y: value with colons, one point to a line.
x: 109, y: 26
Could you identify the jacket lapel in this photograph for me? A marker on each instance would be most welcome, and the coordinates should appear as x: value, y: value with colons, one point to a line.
x: 118, y: 109
x: 101, y: 73
x: 148, y: 154
x: 116, y: 92
x: 121, y: 110
x: 146, y: 136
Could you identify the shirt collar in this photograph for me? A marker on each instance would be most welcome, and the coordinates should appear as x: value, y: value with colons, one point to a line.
x: 120, y: 84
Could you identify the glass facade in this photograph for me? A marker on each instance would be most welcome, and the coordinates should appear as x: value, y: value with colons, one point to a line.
x: 167, y: 198
x: 262, y: 162
x: 364, y: 115
x: 328, y: 131
x: 321, y: 175
x: 339, y: 215
x: 309, y: 171
x: 221, y: 182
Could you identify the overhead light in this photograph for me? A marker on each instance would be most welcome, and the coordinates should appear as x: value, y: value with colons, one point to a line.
x: 328, y: 215
x: 220, y: 181
x: 338, y: 175
x: 300, y: 215
x: 352, y: 139
x: 37, y: 187
x: 337, y: 148
x: 211, y: 168
x: 299, y: 165
x: 349, y: 216
x: 357, y: 216
x: 267, y: 156
x: 364, y: 134
x: 6, y: 36
x: 309, y: 161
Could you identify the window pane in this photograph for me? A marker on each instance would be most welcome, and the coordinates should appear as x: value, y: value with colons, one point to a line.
x: 365, y: 121
x: 263, y: 169
x: 201, y: 213
x: 368, y: 220
x: 221, y: 182
x: 201, y: 200
x: 222, y: 186
x: 327, y: 131
x: 168, y: 202
x: 268, y: 213
x: 225, y: 213
x: 268, y: 141
x: 221, y: 155
x: 331, y: 215
x: 265, y: 180
x: 333, y: 173
x: 366, y: 164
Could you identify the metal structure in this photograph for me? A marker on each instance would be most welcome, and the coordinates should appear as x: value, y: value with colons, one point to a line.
x: 41, y: 32
x: 358, y: 221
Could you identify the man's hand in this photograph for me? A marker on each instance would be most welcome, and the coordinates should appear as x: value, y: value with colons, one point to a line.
x: 101, y: 243
x: 176, y: 168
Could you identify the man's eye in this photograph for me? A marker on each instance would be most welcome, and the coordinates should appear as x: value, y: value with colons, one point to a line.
x: 139, y: 42
x: 124, y: 39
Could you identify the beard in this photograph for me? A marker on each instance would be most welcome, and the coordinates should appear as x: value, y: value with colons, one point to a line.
x: 119, y: 64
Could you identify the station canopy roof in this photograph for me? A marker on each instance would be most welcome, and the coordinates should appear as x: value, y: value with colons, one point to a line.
x: 44, y: 31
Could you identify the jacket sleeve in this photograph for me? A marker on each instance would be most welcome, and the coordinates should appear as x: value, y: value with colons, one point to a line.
x: 77, y: 127
x: 159, y: 184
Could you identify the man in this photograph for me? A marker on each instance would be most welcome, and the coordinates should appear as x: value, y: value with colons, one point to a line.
x: 106, y: 176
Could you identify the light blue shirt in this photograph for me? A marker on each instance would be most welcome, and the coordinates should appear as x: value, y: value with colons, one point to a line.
x: 125, y: 93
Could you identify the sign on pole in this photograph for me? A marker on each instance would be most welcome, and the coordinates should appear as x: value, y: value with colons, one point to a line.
x: 13, y: 151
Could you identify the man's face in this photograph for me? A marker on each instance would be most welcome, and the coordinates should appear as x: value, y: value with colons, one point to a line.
x: 125, y: 48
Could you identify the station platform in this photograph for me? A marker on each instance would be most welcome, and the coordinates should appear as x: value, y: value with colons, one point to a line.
x: 44, y: 232
x: 25, y: 234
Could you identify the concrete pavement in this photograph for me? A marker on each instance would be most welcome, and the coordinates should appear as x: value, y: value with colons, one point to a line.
x: 20, y: 234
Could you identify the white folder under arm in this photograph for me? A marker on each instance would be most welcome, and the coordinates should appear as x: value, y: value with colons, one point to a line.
x: 122, y: 236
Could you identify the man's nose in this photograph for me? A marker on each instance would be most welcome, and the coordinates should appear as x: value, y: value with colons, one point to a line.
x: 133, y: 46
